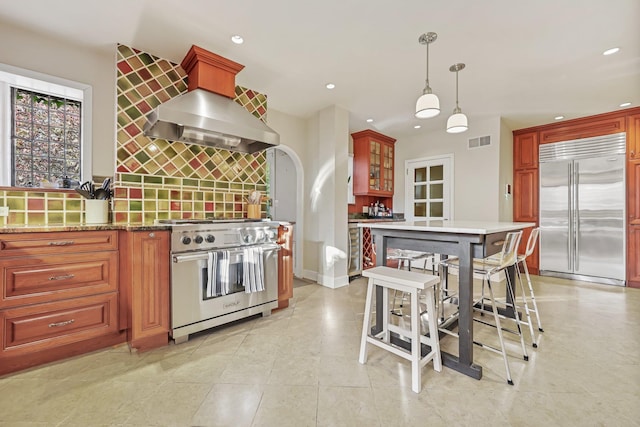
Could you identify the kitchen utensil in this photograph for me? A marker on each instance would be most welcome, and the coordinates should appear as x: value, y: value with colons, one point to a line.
x: 254, y: 197
x: 101, y: 193
x: 106, y: 183
x: 84, y: 193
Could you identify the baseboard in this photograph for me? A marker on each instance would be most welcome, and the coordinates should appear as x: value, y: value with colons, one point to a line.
x: 310, y: 275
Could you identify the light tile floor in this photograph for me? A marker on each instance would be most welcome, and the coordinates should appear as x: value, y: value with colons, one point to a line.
x: 299, y: 367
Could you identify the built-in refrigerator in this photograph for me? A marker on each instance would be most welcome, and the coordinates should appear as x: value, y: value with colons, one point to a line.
x: 582, y: 209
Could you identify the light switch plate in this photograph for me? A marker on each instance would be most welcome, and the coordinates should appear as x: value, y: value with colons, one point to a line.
x: 4, y: 211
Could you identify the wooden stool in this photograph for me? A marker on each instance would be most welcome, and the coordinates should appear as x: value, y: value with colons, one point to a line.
x: 411, y: 283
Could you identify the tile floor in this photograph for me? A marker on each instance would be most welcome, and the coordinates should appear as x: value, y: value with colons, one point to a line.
x: 299, y: 368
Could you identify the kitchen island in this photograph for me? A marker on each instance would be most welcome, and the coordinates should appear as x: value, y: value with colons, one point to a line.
x: 463, y: 239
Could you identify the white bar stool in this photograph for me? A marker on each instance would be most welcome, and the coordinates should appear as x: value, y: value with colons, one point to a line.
x: 411, y: 283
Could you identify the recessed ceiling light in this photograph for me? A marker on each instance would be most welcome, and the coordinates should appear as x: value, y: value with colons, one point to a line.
x: 237, y: 39
x: 559, y: 117
x: 417, y: 127
x: 330, y: 86
x: 611, y: 51
x: 369, y: 120
x: 625, y: 104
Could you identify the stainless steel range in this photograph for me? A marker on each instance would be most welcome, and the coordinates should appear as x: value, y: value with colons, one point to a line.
x: 221, y: 271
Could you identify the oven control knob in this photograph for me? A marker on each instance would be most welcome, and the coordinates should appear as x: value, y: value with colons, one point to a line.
x: 271, y: 234
x: 198, y: 239
x: 186, y: 240
x: 210, y: 238
x: 248, y: 238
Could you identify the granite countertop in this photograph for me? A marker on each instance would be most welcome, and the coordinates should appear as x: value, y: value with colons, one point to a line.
x: 44, y: 228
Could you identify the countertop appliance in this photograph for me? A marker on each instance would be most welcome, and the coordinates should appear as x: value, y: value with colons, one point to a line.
x: 582, y: 209
x: 210, y: 261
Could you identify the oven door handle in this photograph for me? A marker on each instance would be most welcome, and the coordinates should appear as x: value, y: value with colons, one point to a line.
x: 205, y: 255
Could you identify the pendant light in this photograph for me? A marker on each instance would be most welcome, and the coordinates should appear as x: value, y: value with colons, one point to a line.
x: 428, y: 105
x: 457, y: 121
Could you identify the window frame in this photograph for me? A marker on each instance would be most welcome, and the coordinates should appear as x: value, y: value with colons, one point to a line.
x: 11, y: 76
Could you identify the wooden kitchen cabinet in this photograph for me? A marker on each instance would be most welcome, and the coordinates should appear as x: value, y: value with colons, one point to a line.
x: 285, y: 265
x: 144, y: 278
x: 60, y: 296
x: 525, y: 151
x: 525, y: 195
x: 373, y: 164
x: 525, y: 172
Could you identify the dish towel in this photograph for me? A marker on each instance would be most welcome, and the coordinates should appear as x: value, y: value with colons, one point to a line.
x: 253, y: 269
x: 223, y: 265
x: 218, y: 274
x: 212, y: 266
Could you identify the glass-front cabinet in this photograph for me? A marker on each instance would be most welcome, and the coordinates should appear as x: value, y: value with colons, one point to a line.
x: 373, y: 156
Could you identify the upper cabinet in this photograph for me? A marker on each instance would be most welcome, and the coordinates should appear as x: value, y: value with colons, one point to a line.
x: 373, y: 157
x: 525, y: 150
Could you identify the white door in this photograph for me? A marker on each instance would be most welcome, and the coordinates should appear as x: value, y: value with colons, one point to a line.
x: 429, y: 188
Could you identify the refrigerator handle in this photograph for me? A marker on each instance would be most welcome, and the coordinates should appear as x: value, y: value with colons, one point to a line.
x: 576, y: 210
x: 570, y: 214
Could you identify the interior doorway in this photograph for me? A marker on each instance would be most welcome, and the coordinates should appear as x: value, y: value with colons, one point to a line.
x: 429, y: 188
x: 286, y: 184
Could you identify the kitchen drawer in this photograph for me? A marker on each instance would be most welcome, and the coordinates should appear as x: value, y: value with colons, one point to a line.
x: 40, y: 279
x: 25, y: 244
x: 44, y: 326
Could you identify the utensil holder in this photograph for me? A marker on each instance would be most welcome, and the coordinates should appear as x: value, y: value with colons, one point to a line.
x: 253, y: 211
x: 96, y: 211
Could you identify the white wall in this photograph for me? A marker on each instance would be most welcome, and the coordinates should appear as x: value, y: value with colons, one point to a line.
x: 325, y: 245
x: 293, y: 141
x: 477, y: 192
x: 35, y: 52
x: 506, y: 173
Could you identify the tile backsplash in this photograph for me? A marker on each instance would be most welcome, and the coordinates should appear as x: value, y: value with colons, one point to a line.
x: 38, y: 206
x: 158, y: 179
x: 155, y: 178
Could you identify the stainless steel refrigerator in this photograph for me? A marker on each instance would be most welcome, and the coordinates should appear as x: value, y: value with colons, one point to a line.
x: 582, y: 209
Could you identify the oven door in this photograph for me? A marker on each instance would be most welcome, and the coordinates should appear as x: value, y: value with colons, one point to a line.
x: 192, y: 298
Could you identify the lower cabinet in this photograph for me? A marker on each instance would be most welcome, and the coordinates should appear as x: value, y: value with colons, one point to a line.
x: 59, y: 296
x: 40, y: 327
x: 633, y: 257
x: 144, y: 280
x: 285, y: 265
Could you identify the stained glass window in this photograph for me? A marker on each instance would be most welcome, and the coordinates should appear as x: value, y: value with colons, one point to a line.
x: 45, y: 138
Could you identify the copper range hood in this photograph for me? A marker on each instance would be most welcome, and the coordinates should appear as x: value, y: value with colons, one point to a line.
x: 207, y: 114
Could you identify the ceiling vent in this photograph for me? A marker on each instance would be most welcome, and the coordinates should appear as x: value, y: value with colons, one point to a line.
x: 481, y: 141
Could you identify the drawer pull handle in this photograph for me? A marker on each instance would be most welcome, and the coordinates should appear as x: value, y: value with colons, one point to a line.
x: 62, y: 243
x: 498, y: 243
x: 65, y: 323
x: 66, y: 276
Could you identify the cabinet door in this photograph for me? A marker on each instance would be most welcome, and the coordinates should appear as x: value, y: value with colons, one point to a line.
x: 633, y: 192
x: 375, y: 169
x: 525, y: 195
x: 633, y: 137
x: 150, y: 289
x: 387, y: 168
x: 285, y: 265
x: 525, y: 150
x: 633, y: 257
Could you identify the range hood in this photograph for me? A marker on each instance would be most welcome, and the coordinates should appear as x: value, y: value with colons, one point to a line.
x: 207, y: 114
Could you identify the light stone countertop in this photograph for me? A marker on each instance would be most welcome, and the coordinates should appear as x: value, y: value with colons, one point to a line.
x: 464, y: 227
